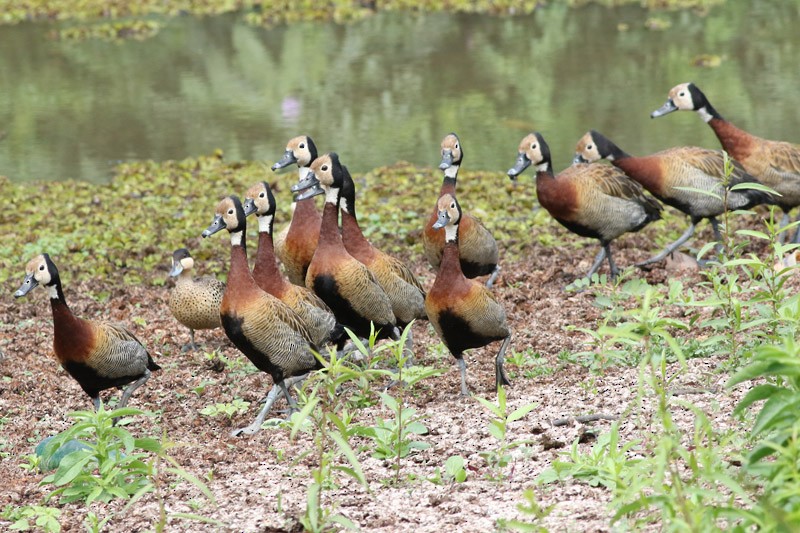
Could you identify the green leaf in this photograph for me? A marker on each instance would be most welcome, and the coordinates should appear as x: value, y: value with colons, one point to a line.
x: 521, y: 412
x: 194, y: 480
x: 774, y: 410
x: 704, y: 192
x: 298, y: 419
x: 342, y: 521
x: 754, y: 234
x: 760, y: 392
x: 71, y: 466
x: 347, y: 451
x: 753, y: 186
x: 453, y: 465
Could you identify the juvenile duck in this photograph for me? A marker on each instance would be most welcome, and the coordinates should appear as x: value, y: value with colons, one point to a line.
x: 596, y: 201
x: 462, y: 311
x: 194, y: 302
x: 99, y: 355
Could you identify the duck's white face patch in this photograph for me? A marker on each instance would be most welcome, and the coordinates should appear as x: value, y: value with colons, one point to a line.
x: 343, y: 204
x: 302, y: 172
x: 264, y: 223
x: 236, y: 238
x: 450, y: 232
x: 53, y: 292
x: 704, y: 114
x: 187, y: 263
x: 451, y: 171
x: 541, y: 167
x: 332, y: 195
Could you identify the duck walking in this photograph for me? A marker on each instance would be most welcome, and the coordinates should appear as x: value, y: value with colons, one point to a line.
x: 262, y: 327
x: 317, y: 317
x: 344, y: 283
x: 99, y: 355
x: 462, y: 311
x: 295, y: 244
x: 776, y: 164
x: 688, y: 178
x: 596, y: 201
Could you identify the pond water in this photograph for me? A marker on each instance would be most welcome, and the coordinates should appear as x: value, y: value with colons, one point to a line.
x: 388, y: 88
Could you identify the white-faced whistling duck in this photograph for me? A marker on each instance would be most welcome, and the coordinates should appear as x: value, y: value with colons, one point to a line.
x: 674, y: 176
x: 478, y: 249
x: 343, y: 282
x: 404, y: 290
x: 99, y: 355
x: 262, y: 327
x: 462, y: 311
x: 295, y: 244
x: 194, y: 302
x: 596, y: 201
x: 317, y: 317
x: 776, y: 164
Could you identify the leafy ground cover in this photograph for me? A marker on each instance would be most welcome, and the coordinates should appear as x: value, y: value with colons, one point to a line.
x: 671, y: 366
x: 281, y: 11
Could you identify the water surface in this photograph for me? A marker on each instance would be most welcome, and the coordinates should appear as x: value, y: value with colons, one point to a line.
x: 390, y: 87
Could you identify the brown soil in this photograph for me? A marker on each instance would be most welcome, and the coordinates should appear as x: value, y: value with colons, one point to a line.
x: 256, y: 491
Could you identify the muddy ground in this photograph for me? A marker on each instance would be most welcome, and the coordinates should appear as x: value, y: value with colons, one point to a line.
x: 256, y: 490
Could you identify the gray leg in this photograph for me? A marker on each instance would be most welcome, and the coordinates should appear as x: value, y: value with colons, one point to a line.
x: 192, y: 345
x: 796, y: 238
x: 672, y: 247
x: 462, y: 367
x: 126, y: 395
x: 499, y: 370
x: 289, y: 399
x: 493, y: 277
x: 96, y: 402
x: 611, y: 265
x: 408, y: 349
x: 717, y: 235
x: 269, y: 401
x: 598, y: 260
x: 784, y: 222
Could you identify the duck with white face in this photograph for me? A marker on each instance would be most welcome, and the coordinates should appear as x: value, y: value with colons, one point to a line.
x: 295, y: 243
x: 479, y: 253
x: 776, y: 164
x: 596, y: 201
x: 99, y: 355
x: 348, y: 287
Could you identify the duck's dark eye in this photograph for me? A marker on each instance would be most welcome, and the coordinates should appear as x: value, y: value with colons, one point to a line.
x: 681, y: 94
x: 41, y: 267
x: 453, y: 205
x: 456, y: 146
x: 230, y: 211
x: 589, y: 146
x: 262, y: 195
x: 324, y: 168
x: 302, y: 145
x: 533, y: 146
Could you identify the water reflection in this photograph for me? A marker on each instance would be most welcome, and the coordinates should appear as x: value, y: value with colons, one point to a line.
x: 389, y: 87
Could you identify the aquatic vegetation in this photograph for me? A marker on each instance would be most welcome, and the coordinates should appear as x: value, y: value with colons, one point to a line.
x: 282, y: 11
x: 127, y: 229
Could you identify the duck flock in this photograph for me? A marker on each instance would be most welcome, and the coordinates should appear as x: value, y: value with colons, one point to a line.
x: 334, y: 279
